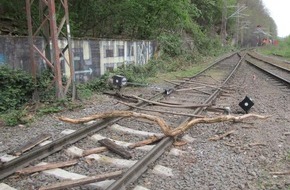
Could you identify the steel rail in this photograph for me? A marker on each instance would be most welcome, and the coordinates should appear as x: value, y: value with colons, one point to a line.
x: 214, y: 63
x: 270, y: 73
x: 274, y: 65
x: 142, y: 165
x: 25, y: 159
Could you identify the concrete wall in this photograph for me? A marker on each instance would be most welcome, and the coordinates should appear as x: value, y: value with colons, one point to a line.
x: 92, y: 58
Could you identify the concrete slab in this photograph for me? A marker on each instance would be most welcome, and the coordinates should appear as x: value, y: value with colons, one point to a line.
x: 4, y: 186
x: 163, y: 171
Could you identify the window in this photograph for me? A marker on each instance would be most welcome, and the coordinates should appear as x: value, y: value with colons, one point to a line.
x: 108, y: 50
x: 109, y: 53
x: 120, y: 51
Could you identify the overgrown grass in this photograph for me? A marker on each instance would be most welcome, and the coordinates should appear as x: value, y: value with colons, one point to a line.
x: 282, y: 49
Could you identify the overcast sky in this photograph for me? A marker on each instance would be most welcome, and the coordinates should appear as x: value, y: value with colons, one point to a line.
x: 280, y: 12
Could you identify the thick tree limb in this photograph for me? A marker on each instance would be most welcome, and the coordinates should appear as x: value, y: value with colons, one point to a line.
x: 166, y: 129
x: 281, y: 173
x: 159, y: 121
x: 182, y: 128
x: 150, y: 140
x: 218, y: 137
x: 49, y: 166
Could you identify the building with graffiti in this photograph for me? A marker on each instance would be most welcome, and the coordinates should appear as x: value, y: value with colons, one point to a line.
x: 92, y: 58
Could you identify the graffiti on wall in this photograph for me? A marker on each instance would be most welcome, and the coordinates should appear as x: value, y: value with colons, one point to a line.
x: 2, y: 59
x: 91, y: 58
x: 82, y: 62
x: 120, y: 53
x: 144, y: 52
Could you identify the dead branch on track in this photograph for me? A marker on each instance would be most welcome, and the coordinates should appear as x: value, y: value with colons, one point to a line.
x: 185, y: 126
x: 229, y: 144
x: 94, y: 150
x: 150, y: 140
x: 179, y: 143
x: 257, y: 144
x: 166, y: 129
x: 49, y: 166
x: 218, y: 137
x: 82, y: 181
x: 281, y: 173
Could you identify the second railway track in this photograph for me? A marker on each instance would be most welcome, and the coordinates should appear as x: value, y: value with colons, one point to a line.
x: 200, y: 89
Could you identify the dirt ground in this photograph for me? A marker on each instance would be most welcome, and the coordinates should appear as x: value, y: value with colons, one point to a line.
x: 254, y: 157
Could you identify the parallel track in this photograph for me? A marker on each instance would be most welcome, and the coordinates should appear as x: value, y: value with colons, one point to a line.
x: 280, y: 72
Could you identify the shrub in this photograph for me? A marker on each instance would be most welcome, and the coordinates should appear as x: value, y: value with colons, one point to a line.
x: 16, y: 86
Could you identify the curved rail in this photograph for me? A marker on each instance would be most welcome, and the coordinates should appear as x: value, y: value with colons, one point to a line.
x: 141, y: 166
x: 10, y: 167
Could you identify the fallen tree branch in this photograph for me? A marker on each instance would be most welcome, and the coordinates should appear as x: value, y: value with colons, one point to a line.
x: 281, y: 173
x: 166, y: 129
x: 150, y: 140
x: 185, y: 126
x: 218, y: 137
x: 94, y: 151
x: 257, y: 144
x: 48, y: 166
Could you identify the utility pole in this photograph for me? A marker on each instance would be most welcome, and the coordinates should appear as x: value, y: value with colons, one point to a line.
x: 224, y: 23
x: 238, y: 23
x: 238, y: 14
x: 50, y: 30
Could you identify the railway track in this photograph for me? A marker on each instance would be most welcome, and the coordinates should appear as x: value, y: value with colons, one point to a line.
x: 201, y: 89
x: 280, y: 71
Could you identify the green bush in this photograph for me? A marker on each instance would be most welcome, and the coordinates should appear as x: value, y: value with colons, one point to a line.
x: 45, y: 87
x: 13, y: 117
x: 16, y: 86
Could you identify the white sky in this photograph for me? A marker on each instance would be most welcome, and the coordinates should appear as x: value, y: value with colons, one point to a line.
x: 280, y: 11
